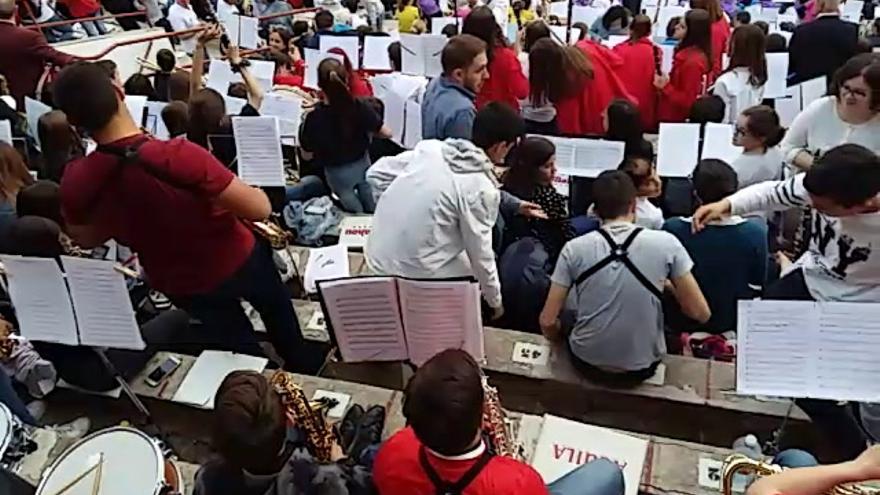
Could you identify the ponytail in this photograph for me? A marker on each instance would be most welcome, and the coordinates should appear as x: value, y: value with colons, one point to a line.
x: 763, y: 123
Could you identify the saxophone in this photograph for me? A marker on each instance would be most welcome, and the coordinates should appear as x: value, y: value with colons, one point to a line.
x: 270, y: 230
x: 496, y: 425
x: 312, y: 420
x: 740, y: 464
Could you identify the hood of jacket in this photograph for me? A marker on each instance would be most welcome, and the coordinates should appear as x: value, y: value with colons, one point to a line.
x: 463, y: 157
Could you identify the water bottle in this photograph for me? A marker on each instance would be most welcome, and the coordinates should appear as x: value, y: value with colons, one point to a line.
x: 750, y: 447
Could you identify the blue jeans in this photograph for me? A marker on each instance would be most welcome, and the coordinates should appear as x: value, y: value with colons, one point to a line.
x: 308, y: 187
x: 10, y: 399
x: 349, y: 182
x: 58, y: 33
x: 93, y: 28
x: 795, y: 458
x: 600, y: 477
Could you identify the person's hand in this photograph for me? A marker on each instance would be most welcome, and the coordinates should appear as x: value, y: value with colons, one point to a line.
x: 497, y: 313
x: 661, y: 81
x: 295, y: 55
x: 868, y: 464
x: 532, y: 210
x: 709, y: 213
x: 234, y: 55
x: 782, y: 260
x: 551, y: 331
x: 336, y: 453
x: 211, y: 32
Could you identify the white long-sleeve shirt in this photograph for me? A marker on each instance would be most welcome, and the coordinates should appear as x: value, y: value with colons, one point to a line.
x: 819, y: 128
x: 840, y: 264
x: 734, y: 89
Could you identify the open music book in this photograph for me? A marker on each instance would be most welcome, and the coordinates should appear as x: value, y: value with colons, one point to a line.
x: 819, y: 350
x: 397, y: 319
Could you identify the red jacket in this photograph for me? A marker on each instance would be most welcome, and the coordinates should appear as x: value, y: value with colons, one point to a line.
x: 397, y: 471
x: 506, y: 83
x: 23, y: 56
x: 360, y: 87
x: 582, y: 112
x: 82, y: 8
x: 720, y: 39
x: 640, y: 64
x: 687, y: 82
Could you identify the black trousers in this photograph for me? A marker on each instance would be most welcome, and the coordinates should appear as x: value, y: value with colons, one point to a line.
x: 840, y: 423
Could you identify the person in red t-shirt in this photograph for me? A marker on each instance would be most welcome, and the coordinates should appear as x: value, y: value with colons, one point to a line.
x: 506, y: 83
x: 641, y: 62
x: 176, y: 206
x: 720, y: 30
x: 443, y: 451
x: 691, y: 66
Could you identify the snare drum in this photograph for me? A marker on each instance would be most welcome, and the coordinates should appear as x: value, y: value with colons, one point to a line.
x: 133, y: 465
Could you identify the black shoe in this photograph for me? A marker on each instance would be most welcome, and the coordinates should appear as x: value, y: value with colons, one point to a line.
x: 348, y: 427
x: 369, y: 431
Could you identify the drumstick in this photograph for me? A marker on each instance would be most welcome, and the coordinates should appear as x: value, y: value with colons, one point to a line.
x: 79, y: 478
x: 96, y: 485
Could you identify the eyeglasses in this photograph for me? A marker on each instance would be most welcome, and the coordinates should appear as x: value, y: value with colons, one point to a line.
x: 740, y: 131
x: 855, y: 92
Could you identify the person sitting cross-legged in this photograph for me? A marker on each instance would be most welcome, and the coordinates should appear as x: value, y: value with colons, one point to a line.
x: 618, y: 274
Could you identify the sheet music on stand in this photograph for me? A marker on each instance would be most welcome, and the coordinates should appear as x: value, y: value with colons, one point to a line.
x: 92, y: 308
x: 819, y: 350
x: 5, y: 132
x: 581, y: 157
x: 258, y: 140
x: 396, y: 319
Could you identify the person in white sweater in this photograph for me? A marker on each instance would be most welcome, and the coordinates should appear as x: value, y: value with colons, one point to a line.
x: 758, y: 132
x: 840, y: 264
x: 742, y: 84
x: 851, y: 114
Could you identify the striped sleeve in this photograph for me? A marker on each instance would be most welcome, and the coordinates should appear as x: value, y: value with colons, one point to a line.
x: 770, y: 196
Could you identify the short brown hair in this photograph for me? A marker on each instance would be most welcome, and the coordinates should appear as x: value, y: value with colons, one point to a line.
x: 460, y: 52
x: 249, y: 422
x: 613, y: 192
x: 443, y: 402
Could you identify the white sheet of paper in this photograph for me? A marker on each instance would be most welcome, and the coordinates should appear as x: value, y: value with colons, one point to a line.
x: 560, y: 33
x: 42, y: 303
x: 531, y: 354
x: 581, y: 157
x: 5, y: 132
x: 585, y: 14
x: 337, y: 411
x: 136, y: 106
x: 677, y: 149
x: 220, y: 76
x: 288, y: 109
x: 852, y: 9
x: 349, y: 44
x: 258, y: 140
x: 438, y: 23
x: 102, y: 306
x: 200, y: 385
x: 412, y: 132
x: 815, y: 350
x: 718, y: 143
x: 668, y: 52
x: 376, y: 52
x: 317, y: 321
x: 324, y: 264
x: 154, y: 123
x: 813, y: 89
x: 354, y: 230
x: 33, y: 110
x: 665, y: 14
x: 439, y: 315
x: 242, y: 30
x: 777, y: 75
x: 562, y: 183
x: 433, y: 49
x: 364, y: 315
x: 412, y: 54
x: 659, y: 377
x: 234, y: 105
x: 559, y: 9
x: 313, y: 59
x: 564, y: 445
x: 789, y: 107
x: 614, y: 40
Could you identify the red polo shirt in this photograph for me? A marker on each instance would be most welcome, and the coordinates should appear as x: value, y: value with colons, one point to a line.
x: 397, y: 471
x: 186, y: 244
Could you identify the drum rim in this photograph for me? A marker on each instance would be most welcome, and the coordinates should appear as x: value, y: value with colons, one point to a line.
x: 44, y: 477
x: 6, y: 440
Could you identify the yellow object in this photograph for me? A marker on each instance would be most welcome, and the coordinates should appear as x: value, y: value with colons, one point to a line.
x: 406, y: 17
x: 740, y: 464
x: 525, y: 16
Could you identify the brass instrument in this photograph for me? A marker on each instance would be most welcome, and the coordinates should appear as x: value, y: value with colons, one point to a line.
x: 497, y: 426
x: 740, y: 464
x: 278, y: 237
x: 320, y: 436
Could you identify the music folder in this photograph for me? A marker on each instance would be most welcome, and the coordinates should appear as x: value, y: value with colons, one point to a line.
x: 399, y: 319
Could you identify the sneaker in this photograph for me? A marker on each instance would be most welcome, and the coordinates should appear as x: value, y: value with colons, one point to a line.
x: 74, y: 430
x: 159, y: 300
x: 369, y: 431
x: 37, y: 409
x: 349, y: 425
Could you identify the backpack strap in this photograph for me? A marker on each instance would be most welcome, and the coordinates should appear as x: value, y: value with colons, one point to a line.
x: 619, y: 252
x: 444, y: 487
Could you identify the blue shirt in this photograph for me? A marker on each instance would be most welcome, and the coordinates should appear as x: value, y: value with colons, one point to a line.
x: 728, y: 259
x: 448, y: 110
